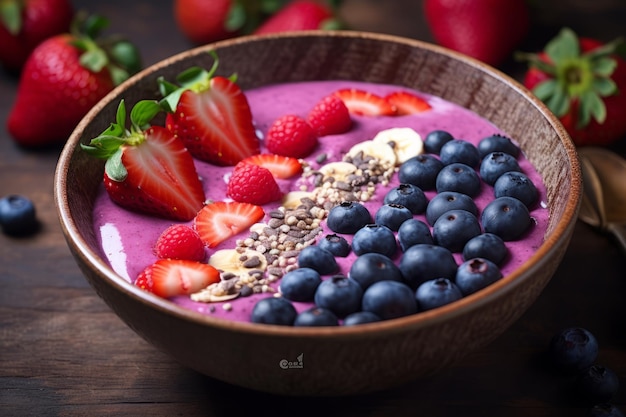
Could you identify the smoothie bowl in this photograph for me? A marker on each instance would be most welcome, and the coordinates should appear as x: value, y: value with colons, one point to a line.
x: 219, y: 321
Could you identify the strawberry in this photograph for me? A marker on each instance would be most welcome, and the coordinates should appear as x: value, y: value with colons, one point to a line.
x: 488, y: 30
x: 250, y: 183
x: 171, y: 277
x: 24, y: 24
x: 180, y: 242
x: 291, y: 135
x: 204, y: 21
x: 148, y: 169
x: 583, y: 82
x: 279, y: 165
x: 63, y: 78
x: 407, y: 103
x: 221, y: 220
x: 364, y: 103
x: 330, y: 116
x: 211, y: 115
x: 301, y: 15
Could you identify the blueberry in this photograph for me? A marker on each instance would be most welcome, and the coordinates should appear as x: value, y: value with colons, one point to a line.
x: 335, y: 244
x: 605, y: 410
x: 424, y: 262
x: 360, y: 317
x: 274, y: 310
x: 392, y: 215
x: 413, y: 232
x: 496, y: 164
x: 339, y: 294
x: 375, y: 238
x: 497, y: 143
x: 389, y: 300
x: 316, y: 316
x: 421, y: 171
x: 300, y: 284
x: 573, y: 349
x: 446, y: 201
x: 518, y: 185
x: 409, y: 196
x: 436, y: 293
x: 318, y: 259
x: 506, y: 217
x: 18, y: 215
x: 488, y: 246
x: 460, y: 178
x: 597, y: 384
x: 372, y: 267
x: 348, y: 217
x: 454, y: 228
x: 476, y: 274
x: 435, y: 140
x: 458, y: 150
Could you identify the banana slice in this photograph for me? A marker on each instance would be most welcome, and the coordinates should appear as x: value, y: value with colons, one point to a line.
x: 213, y: 294
x: 378, y: 150
x: 405, y: 142
x: 232, y: 261
x: 340, y: 171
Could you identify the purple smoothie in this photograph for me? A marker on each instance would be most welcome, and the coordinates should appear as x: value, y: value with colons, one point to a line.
x: 127, y: 238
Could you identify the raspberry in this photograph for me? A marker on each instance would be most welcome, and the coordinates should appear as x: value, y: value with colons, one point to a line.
x: 330, y: 116
x: 291, y: 135
x: 252, y: 184
x: 180, y: 242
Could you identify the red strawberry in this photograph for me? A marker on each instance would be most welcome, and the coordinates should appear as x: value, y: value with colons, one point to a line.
x: 407, y: 103
x: 330, y: 116
x: 250, y: 183
x: 63, y: 78
x: 203, y: 21
x: 583, y: 82
x: 211, y: 116
x: 172, y: 277
x: 488, y: 30
x: 221, y: 220
x: 25, y: 24
x: 180, y: 242
x: 149, y: 171
x: 364, y: 103
x: 279, y: 165
x: 300, y: 15
x: 291, y: 135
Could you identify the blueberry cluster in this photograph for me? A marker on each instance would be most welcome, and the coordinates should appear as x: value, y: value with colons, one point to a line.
x: 18, y: 215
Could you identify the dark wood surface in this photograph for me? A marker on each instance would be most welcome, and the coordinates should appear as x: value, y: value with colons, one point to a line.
x: 63, y: 352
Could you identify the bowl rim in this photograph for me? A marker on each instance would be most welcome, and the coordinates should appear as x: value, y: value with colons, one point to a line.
x: 422, y: 319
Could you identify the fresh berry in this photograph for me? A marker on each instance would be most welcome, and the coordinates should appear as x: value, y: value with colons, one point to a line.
x: 360, y: 317
x: 180, y: 242
x: 409, y: 196
x: 421, y: 171
x: 573, y: 349
x: 436, y: 293
x: 373, y: 267
x: 171, y: 277
x: 273, y: 310
x: 597, y: 384
x: 291, y: 135
x: 375, y: 238
x: 317, y: 259
x: 423, y: 262
x: 339, y: 294
x: 335, y: 244
x: 208, y: 21
x: 605, y: 410
x: 446, y: 201
x: 506, y: 217
x: 300, y: 284
x: 25, y: 24
x: 280, y: 166
x: 460, y: 178
x: 330, y: 116
x: 148, y: 170
x: 221, y: 220
x: 300, y: 15
x: 413, y: 232
x: 364, y: 103
x: 461, y: 151
x: 211, y: 115
x: 392, y: 215
x: 475, y: 274
x: 496, y: 164
x: 407, y: 103
x: 435, y: 139
x: 518, y: 185
x: 488, y: 246
x: 454, y: 228
x: 18, y: 215
x: 497, y: 143
x: 389, y: 300
x: 252, y: 184
x: 348, y: 217
x: 316, y: 316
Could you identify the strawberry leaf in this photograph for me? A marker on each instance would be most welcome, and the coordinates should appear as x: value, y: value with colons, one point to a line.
x: 545, y: 89
x: 143, y: 112
x: 236, y: 18
x: 604, y: 66
x: 11, y: 16
x: 564, y: 46
x: 94, y: 59
x: 604, y: 86
x: 590, y: 105
x: 114, y: 167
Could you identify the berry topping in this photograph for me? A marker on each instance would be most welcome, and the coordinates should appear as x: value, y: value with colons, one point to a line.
x: 291, y: 135
x: 180, y: 242
x: 375, y: 238
x: 436, y: 293
x: 435, y: 139
x: 407, y: 103
x: 497, y: 143
x: 317, y: 259
x: 495, y: 164
x: 300, y: 284
x: 316, y: 316
x: 364, y: 103
x: 348, y: 217
x: 274, y: 310
x: 330, y: 116
x: 476, y: 274
x: 506, y: 217
x: 373, y: 267
x: 389, y: 300
x: 221, y: 220
x: 171, y: 277
x: 252, y: 184
x: 339, y: 294
x: 279, y: 165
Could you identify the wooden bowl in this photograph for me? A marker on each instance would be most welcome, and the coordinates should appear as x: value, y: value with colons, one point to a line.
x: 346, y: 360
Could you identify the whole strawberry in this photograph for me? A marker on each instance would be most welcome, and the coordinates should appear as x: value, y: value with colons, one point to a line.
x: 583, y: 82
x: 24, y: 24
x: 488, y: 30
x: 204, y: 21
x: 302, y: 15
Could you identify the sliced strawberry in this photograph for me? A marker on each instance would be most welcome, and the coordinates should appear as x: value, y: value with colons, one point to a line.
x: 407, y: 103
x: 171, y: 277
x: 364, y: 103
x: 220, y: 220
x: 330, y: 116
x: 280, y: 166
x: 180, y: 241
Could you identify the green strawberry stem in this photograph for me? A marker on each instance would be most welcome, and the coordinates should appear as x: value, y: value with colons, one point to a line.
x: 11, y: 15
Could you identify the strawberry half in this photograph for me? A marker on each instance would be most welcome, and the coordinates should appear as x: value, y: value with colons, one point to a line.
x: 211, y: 115
x: 148, y: 169
x: 407, y: 103
x: 364, y: 103
x: 171, y: 277
x: 221, y: 220
x: 279, y: 165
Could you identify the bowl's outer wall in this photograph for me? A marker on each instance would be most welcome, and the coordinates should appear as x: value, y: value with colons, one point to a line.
x: 348, y: 361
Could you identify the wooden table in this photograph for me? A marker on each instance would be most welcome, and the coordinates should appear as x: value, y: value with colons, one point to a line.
x: 63, y: 352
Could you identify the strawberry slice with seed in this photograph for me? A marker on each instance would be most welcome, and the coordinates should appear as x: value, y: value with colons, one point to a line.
x: 221, y: 220
x: 365, y: 103
x: 279, y: 165
x: 407, y: 103
x: 170, y: 277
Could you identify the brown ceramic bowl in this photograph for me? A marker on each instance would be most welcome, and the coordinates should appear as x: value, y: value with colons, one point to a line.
x: 346, y: 360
